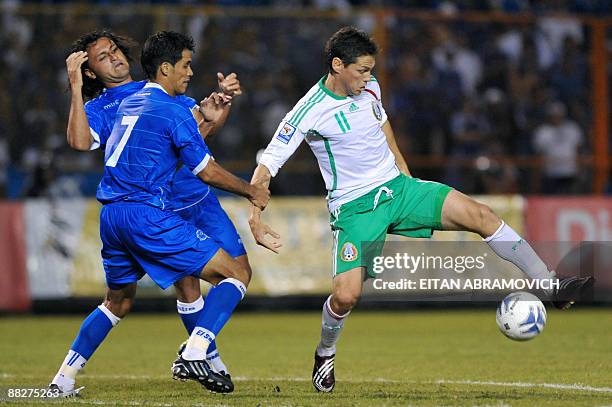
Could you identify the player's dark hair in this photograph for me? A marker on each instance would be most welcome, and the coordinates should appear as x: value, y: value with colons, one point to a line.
x: 348, y: 44
x: 93, y: 87
x: 165, y: 46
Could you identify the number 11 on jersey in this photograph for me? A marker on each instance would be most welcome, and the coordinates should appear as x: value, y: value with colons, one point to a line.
x: 130, y: 122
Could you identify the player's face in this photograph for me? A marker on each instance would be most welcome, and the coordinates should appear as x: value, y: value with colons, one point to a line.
x: 356, y: 76
x: 107, y: 62
x: 181, y: 73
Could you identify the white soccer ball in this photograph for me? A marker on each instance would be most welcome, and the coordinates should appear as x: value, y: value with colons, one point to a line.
x: 521, y: 316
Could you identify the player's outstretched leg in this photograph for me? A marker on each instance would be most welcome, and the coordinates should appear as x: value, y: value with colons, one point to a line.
x: 93, y: 331
x: 231, y: 278
x: 461, y: 212
x: 345, y: 293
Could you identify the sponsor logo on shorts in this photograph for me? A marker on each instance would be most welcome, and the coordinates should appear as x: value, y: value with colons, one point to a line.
x: 285, y: 133
x: 201, y: 235
x: 376, y: 110
x: 349, y: 252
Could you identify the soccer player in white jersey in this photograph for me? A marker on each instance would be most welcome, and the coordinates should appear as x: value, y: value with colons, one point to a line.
x: 371, y: 191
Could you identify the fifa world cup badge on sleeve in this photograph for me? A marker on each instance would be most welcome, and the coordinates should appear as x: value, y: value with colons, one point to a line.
x: 286, y: 132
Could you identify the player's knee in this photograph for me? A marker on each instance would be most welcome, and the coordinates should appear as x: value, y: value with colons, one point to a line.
x: 119, y: 307
x: 344, y: 301
x: 241, y: 273
x: 488, y: 220
x: 188, y: 289
x: 244, y: 262
x: 484, y: 220
x: 249, y: 273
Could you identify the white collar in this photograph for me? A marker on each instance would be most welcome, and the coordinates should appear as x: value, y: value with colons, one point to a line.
x: 155, y: 85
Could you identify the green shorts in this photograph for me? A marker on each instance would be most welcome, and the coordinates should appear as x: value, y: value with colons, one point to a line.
x: 403, y: 206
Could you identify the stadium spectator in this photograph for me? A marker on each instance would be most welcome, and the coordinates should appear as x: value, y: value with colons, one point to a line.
x: 559, y: 141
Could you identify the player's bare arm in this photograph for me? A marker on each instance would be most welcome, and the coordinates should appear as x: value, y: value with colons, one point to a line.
x: 399, y: 158
x: 215, y: 175
x: 77, y: 133
x: 260, y: 230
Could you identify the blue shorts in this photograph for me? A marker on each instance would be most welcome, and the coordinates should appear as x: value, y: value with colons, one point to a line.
x: 139, y: 239
x: 209, y: 216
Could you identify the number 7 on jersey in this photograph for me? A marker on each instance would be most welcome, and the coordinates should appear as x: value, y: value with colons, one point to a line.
x: 130, y: 122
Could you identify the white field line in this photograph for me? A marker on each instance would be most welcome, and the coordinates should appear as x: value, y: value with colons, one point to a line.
x: 579, y: 387
x: 557, y: 386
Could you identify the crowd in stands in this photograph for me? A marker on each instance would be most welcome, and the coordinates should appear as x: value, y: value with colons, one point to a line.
x: 469, y: 94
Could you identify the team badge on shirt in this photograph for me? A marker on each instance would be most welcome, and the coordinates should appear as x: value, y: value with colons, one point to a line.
x: 286, y: 132
x: 201, y: 235
x: 349, y: 252
x: 376, y: 110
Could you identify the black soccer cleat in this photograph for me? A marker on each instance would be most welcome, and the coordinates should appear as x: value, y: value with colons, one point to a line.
x: 323, y: 373
x: 223, y: 373
x: 569, y: 291
x: 200, y: 371
x: 55, y: 391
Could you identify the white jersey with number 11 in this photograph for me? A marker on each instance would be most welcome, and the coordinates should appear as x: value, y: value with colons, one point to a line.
x: 345, y: 134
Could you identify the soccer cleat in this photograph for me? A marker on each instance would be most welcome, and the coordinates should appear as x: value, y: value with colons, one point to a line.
x: 55, y: 391
x: 200, y: 370
x: 323, y: 373
x: 223, y: 373
x: 569, y: 291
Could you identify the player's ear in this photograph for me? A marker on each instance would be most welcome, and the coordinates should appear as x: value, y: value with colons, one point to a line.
x: 337, y: 65
x: 164, y: 68
x: 89, y: 73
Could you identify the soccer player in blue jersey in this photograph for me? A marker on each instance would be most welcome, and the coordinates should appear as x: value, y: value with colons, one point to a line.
x: 140, y: 230
x: 98, y: 69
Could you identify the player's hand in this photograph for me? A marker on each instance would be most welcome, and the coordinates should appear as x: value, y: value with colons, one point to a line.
x: 260, y: 195
x: 260, y: 230
x: 73, y: 66
x: 229, y: 85
x: 212, y: 106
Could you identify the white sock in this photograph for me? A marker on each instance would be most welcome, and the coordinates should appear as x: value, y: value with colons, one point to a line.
x: 67, y: 372
x: 331, y: 326
x: 214, y: 359
x: 510, y: 246
x: 198, y: 343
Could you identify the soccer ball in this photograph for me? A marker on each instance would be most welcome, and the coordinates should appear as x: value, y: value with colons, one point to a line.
x: 521, y: 316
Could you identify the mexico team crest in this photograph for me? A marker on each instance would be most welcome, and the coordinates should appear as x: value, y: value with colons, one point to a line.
x: 349, y: 252
x: 376, y: 110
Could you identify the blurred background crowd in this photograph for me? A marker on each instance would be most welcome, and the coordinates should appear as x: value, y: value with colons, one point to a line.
x: 489, y: 96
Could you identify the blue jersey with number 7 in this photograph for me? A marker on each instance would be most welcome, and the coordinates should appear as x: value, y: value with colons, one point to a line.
x: 152, y: 132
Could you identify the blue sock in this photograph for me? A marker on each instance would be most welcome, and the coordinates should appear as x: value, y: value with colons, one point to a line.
x: 190, y: 312
x: 218, y: 308
x: 93, y: 331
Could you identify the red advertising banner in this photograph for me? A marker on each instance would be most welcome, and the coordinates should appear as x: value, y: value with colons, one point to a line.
x: 568, y: 219
x: 573, y: 236
x: 14, y: 290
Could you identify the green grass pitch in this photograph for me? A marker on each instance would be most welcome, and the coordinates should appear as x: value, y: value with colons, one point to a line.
x: 391, y: 359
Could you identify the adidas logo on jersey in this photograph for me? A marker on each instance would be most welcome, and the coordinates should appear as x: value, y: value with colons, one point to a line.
x: 353, y: 107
